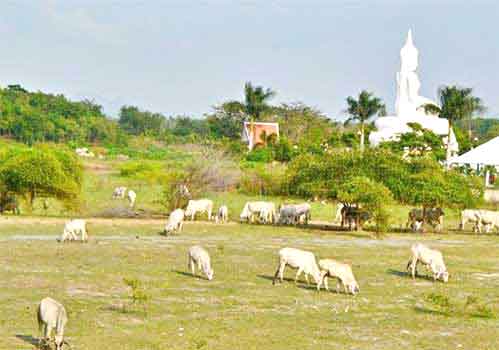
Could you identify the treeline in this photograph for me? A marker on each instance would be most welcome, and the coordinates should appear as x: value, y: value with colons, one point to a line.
x: 32, y: 117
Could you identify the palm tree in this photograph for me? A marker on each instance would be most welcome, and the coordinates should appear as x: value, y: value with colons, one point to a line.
x: 255, y: 100
x: 362, y: 109
x: 455, y: 104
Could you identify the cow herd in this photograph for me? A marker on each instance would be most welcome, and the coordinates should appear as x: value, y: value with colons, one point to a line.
x: 52, y: 315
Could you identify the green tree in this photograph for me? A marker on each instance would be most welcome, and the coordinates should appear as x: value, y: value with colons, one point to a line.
x: 363, y: 108
x: 455, y: 104
x: 369, y: 195
x: 256, y: 100
x: 41, y: 172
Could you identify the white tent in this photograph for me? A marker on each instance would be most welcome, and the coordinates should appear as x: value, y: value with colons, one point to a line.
x: 485, y: 154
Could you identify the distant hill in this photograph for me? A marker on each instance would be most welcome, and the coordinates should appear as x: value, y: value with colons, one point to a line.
x: 32, y: 117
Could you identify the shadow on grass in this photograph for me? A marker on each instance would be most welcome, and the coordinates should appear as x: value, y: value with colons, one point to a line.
x: 271, y: 279
x: 427, y: 311
x: 406, y: 274
x: 397, y: 273
x: 28, y: 339
x: 188, y: 274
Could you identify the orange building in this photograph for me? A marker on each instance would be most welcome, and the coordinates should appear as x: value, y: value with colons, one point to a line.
x: 254, y: 133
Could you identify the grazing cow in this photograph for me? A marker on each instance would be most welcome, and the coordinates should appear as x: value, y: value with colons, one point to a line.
x: 434, y: 217
x: 488, y: 218
x: 287, y: 215
x: 73, y: 229
x: 253, y: 210
x: 51, y: 315
x: 199, y: 206
x: 340, y: 271
x: 119, y: 192
x: 200, y: 257
x: 9, y: 203
x: 431, y: 258
x: 292, y: 214
x: 353, y: 216
x: 131, y: 197
x: 471, y: 216
x: 175, y: 221
x: 222, y: 214
x: 301, y: 260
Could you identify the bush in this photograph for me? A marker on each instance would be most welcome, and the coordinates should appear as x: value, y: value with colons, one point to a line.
x: 260, y: 154
x: 370, y: 196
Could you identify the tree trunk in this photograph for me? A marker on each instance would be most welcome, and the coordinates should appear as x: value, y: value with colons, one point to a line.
x: 362, y: 137
x: 424, y: 219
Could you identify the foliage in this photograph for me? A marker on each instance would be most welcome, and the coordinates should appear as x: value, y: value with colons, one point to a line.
x: 418, y: 143
x: 41, y: 172
x: 255, y: 100
x: 262, y: 179
x: 370, y: 196
x: 137, y: 122
x: 139, y: 294
x: 363, y: 108
x: 421, y: 181
x: 32, y: 117
x: 146, y: 171
x: 455, y: 104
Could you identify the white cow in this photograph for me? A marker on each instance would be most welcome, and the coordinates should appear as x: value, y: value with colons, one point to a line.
x: 301, y: 260
x: 432, y: 259
x: 342, y: 272
x: 131, y: 197
x: 471, y: 216
x: 119, y: 192
x: 175, y: 221
x: 339, y: 210
x: 51, y: 315
x: 199, y: 206
x: 254, y: 210
x: 222, y: 215
x: 73, y: 229
x: 293, y: 214
x: 488, y: 218
x: 200, y: 257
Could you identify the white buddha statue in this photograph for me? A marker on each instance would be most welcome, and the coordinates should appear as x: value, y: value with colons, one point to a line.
x: 409, y: 106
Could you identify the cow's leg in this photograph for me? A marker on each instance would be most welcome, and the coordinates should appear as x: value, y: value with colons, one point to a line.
x: 191, y: 266
x: 326, y: 283
x: 180, y: 225
x: 413, y: 268
x: 298, y: 273
x: 306, y: 279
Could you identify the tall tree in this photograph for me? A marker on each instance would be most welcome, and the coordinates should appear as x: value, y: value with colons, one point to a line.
x: 363, y: 108
x: 256, y: 100
x: 455, y: 104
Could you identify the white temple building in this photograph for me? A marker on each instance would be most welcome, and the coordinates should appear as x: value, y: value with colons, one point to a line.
x: 409, y: 105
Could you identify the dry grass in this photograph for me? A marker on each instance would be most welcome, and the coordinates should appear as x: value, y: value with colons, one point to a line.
x: 240, y: 309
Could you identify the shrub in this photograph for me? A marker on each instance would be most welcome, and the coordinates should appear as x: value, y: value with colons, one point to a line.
x: 370, y: 195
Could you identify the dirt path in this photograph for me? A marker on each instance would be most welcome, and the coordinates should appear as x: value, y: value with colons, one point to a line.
x: 30, y: 220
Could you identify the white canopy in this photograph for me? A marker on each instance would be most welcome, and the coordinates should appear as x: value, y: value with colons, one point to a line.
x: 485, y: 154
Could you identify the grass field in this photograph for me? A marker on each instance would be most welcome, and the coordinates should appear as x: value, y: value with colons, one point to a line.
x: 240, y: 309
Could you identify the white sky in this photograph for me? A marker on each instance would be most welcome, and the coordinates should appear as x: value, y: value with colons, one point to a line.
x: 182, y: 57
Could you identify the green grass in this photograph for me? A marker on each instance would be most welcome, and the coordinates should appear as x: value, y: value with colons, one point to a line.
x: 240, y: 309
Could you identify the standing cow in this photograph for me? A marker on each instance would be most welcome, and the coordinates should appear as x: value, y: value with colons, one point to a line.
x: 433, y: 216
